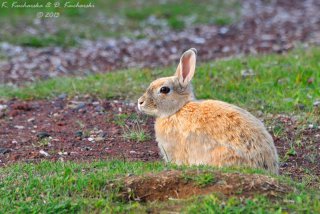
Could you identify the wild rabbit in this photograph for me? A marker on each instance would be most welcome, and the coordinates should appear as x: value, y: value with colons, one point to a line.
x: 204, y: 132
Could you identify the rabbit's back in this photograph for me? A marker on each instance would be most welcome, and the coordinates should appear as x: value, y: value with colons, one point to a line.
x: 215, y: 133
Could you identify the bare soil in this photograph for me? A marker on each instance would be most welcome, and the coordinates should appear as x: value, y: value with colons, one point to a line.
x: 299, y: 149
x: 177, y: 185
x: 71, y: 130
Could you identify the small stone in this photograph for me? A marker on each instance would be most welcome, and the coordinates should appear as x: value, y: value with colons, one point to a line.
x: 267, y: 37
x: 80, y: 106
x: 5, y: 150
x: 95, y: 103
x: 132, y: 152
x: 99, y: 139
x: 98, y: 131
x: 223, y: 30
x: 198, y: 40
x: 62, y: 96
x: 42, y: 135
x: 276, y: 48
x: 76, y: 105
x: 19, y: 127
x: 62, y: 153
x: 225, y: 49
x: 3, y: 107
x: 44, y: 153
x: 316, y: 103
x: 31, y: 120
x: 55, y: 115
x: 82, y: 110
x: 259, y: 113
x: 300, y: 106
x: 311, y: 126
x: 103, y: 134
x: 247, y: 73
x: 79, y: 134
x: 87, y: 148
x: 90, y: 139
x: 99, y: 108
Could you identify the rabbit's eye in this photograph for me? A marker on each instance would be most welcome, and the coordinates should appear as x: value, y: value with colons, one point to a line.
x: 164, y: 90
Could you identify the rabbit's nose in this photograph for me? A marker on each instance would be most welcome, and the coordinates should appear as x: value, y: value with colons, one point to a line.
x: 140, y: 101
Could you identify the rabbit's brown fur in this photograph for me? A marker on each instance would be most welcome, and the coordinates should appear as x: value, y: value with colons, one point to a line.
x: 205, y: 132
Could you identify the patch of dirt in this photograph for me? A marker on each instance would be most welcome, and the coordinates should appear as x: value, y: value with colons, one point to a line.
x: 64, y: 129
x: 178, y: 185
x: 265, y: 26
x: 298, y: 146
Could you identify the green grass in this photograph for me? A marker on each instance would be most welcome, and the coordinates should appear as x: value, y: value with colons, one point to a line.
x: 201, y: 180
x: 292, y: 203
x: 133, y: 131
x: 109, y: 18
x: 281, y: 83
x: 136, y: 134
x: 82, y: 187
x: 120, y: 119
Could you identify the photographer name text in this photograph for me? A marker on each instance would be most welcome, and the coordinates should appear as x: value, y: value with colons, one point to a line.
x: 67, y: 4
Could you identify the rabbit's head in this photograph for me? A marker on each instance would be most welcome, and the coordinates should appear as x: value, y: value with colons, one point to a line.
x: 165, y: 96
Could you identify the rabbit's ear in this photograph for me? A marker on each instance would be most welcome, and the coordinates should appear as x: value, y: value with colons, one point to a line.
x: 186, y: 67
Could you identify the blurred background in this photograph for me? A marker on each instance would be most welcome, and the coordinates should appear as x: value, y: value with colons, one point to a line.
x: 135, y: 19
x: 43, y: 39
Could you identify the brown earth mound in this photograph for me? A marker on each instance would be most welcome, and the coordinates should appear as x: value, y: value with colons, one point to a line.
x: 179, y: 185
